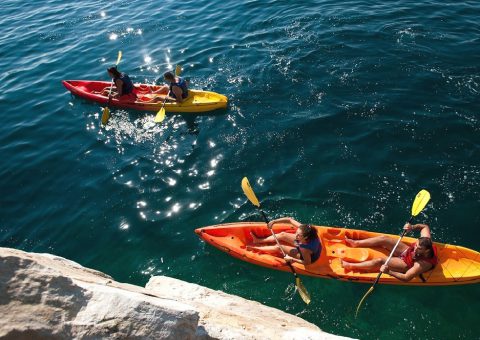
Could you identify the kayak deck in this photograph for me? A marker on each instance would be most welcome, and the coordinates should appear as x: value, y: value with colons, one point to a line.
x: 146, y: 98
x: 457, y: 265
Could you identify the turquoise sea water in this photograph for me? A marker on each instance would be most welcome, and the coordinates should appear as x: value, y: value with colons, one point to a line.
x: 340, y: 112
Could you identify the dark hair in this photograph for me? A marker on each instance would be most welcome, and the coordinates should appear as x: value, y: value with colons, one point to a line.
x: 114, y: 71
x: 309, y: 232
x: 427, y: 243
x: 169, y: 75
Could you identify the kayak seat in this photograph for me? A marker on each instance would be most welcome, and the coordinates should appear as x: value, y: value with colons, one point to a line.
x: 342, y: 251
x: 142, y: 88
x: 143, y: 98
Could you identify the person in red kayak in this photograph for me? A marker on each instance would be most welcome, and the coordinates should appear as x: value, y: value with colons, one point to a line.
x: 123, y: 85
x: 176, y: 91
x: 302, y: 247
x: 177, y: 88
x: 407, y: 261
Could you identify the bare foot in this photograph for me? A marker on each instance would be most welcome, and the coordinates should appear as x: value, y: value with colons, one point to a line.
x: 351, y: 243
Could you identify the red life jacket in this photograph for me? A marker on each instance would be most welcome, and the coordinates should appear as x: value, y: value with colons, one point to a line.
x: 407, y: 256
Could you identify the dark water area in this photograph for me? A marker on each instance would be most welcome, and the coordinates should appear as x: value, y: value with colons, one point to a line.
x: 339, y: 113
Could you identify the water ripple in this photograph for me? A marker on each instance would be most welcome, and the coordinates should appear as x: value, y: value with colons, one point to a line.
x: 338, y: 113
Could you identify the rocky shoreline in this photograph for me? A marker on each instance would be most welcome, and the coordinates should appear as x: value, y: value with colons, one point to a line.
x: 43, y: 296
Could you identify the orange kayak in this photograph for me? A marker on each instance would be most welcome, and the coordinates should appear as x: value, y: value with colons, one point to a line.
x: 457, y: 265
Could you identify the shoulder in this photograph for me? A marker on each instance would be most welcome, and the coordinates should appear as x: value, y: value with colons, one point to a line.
x: 422, y: 266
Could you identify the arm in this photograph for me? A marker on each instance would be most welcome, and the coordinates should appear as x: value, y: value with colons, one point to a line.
x: 284, y: 220
x: 424, y: 229
x: 307, y: 257
x: 119, y: 85
x: 417, y: 269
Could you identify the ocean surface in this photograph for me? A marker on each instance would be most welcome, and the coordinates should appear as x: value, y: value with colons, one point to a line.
x: 339, y: 113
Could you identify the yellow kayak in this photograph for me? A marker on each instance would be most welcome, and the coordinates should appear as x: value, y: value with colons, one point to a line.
x: 146, y: 99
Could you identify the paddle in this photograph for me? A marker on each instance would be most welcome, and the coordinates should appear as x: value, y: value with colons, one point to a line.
x: 161, y: 113
x: 419, y: 203
x: 106, y: 110
x: 247, y: 189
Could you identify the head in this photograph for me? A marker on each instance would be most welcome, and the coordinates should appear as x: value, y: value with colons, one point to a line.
x: 305, y: 233
x: 424, y: 247
x: 169, y: 77
x: 113, y: 72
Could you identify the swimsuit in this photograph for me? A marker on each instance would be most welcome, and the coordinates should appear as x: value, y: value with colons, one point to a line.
x: 314, y: 246
x: 408, y: 254
x: 127, y: 84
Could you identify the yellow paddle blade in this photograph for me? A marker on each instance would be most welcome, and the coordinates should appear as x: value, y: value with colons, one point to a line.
x: 105, y: 115
x: 363, y: 299
x: 178, y: 70
x: 302, y: 291
x: 247, y: 189
x: 420, y: 202
x: 119, y: 57
x: 160, y: 115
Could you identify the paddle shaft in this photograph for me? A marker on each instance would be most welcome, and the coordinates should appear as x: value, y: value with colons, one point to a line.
x: 161, y: 113
x: 391, y: 253
x: 164, y: 101
x: 106, y: 110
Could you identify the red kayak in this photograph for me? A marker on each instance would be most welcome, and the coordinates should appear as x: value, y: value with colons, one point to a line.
x: 145, y: 98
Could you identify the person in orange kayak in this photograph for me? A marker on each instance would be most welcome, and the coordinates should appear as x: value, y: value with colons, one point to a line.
x: 123, y: 85
x: 302, y: 247
x: 407, y: 261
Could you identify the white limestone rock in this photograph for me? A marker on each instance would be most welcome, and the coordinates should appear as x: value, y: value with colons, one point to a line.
x: 43, y: 296
x: 48, y: 297
x: 225, y: 316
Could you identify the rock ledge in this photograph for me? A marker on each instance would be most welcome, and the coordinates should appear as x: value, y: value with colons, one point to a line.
x: 43, y: 296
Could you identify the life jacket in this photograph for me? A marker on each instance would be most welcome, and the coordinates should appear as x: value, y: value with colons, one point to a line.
x: 407, y: 256
x: 127, y: 86
x: 182, y: 83
x: 313, y: 245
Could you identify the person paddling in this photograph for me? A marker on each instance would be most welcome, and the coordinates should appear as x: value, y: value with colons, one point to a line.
x: 407, y: 261
x: 123, y: 84
x: 302, y: 247
x: 176, y: 90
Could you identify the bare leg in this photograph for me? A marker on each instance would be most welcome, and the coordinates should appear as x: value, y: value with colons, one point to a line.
x: 378, y: 241
x: 266, y: 249
x: 395, y: 264
x: 275, y: 250
x: 374, y: 264
x: 282, y: 237
x: 105, y: 91
x: 151, y: 98
x: 259, y: 240
x: 162, y: 90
